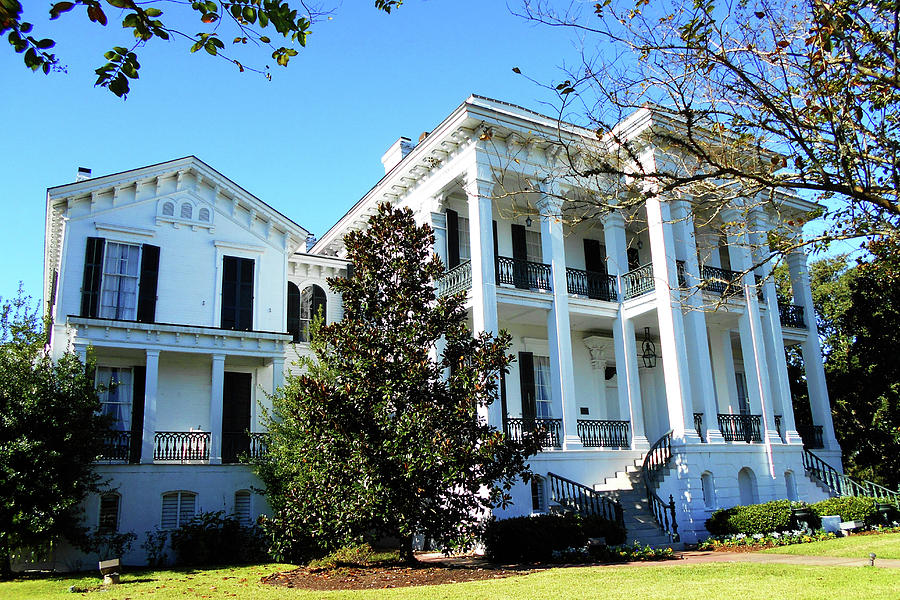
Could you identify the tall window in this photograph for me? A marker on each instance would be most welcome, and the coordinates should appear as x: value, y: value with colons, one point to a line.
x: 534, y: 251
x: 109, y: 513
x: 178, y: 508
x: 709, y: 490
x: 743, y: 402
x: 543, y: 396
x: 465, y: 247
x: 312, y: 303
x: 538, y: 494
x: 117, y: 395
x: 121, y: 270
x: 237, y: 293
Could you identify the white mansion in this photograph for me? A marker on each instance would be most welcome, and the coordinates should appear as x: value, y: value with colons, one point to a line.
x: 195, y: 296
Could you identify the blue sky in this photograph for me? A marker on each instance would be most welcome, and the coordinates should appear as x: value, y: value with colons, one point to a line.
x: 309, y: 142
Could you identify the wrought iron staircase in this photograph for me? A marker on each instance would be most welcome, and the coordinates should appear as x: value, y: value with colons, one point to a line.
x: 839, y: 484
x: 655, y: 461
x: 572, y: 495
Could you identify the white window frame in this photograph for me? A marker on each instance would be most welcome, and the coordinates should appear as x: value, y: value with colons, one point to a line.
x: 543, y: 391
x: 465, y: 244
x: 128, y: 407
x: 111, y: 283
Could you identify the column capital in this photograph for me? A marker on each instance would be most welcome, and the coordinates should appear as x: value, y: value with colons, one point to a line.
x: 152, y: 353
x: 218, y: 357
x: 549, y: 206
x: 613, y: 219
x: 796, y: 259
x: 731, y: 214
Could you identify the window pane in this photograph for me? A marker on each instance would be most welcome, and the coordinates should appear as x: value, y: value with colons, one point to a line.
x: 242, y: 506
x: 169, y: 511
x: 188, y: 501
x: 109, y: 513
x: 464, y: 245
x: 116, y: 398
x: 118, y: 293
x: 543, y: 395
x: 533, y: 246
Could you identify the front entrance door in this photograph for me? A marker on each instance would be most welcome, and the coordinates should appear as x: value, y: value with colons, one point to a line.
x: 236, y: 394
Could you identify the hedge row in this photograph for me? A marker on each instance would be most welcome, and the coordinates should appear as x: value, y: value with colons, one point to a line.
x: 776, y: 515
x: 535, y: 538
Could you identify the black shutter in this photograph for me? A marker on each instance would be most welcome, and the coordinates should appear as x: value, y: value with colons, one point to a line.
x: 503, y: 408
x: 137, y: 414
x: 293, y: 311
x: 236, y: 391
x: 93, y: 272
x: 496, y: 264
x: 594, y: 257
x: 634, y: 259
x: 526, y: 383
x: 237, y: 293
x: 146, y: 308
x: 452, y: 239
x: 520, y: 256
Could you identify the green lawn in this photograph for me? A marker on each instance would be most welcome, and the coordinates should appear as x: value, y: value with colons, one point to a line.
x: 858, y: 546
x: 669, y: 581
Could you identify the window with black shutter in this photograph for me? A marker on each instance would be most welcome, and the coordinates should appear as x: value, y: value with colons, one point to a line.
x: 237, y: 293
x: 526, y: 384
x: 452, y: 239
x: 293, y: 311
x: 146, y: 307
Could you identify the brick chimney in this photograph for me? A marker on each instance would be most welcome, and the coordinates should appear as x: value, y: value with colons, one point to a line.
x: 396, y: 153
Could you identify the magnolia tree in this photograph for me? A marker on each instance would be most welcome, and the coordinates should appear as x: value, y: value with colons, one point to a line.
x: 754, y: 100
x: 50, y: 435
x: 384, y: 433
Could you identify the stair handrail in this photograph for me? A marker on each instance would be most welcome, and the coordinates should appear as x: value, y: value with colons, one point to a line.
x: 585, y: 500
x: 657, y: 459
x: 843, y: 485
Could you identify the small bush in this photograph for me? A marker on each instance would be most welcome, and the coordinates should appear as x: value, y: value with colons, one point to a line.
x: 753, y: 519
x: 534, y: 539
x: 849, y: 508
x: 214, y: 539
x: 360, y: 554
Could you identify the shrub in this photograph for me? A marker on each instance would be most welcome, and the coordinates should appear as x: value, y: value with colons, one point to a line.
x: 752, y: 519
x: 850, y: 508
x: 214, y: 539
x: 534, y: 539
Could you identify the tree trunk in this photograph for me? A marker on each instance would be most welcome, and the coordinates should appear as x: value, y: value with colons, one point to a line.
x: 5, y: 563
x: 406, y: 549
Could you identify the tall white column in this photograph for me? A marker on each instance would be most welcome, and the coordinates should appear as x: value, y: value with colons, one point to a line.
x: 479, y: 193
x: 772, y: 333
x: 699, y: 360
x: 559, y: 332
x: 753, y: 348
x: 151, y: 386
x: 629, y: 383
x: 215, y: 409
x: 820, y: 404
x: 723, y: 366
x: 676, y: 369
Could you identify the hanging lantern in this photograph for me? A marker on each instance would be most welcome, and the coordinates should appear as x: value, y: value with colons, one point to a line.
x: 648, y: 354
x: 528, y: 221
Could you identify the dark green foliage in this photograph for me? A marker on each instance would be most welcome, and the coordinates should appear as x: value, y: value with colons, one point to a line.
x: 535, y: 538
x: 752, y: 519
x: 250, y: 20
x: 372, y: 440
x: 850, y: 508
x: 214, y: 539
x: 50, y: 433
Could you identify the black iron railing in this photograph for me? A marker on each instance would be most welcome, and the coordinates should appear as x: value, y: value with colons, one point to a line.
x: 760, y: 292
x: 115, y: 446
x: 548, y: 428
x: 720, y: 281
x: 778, y: 426
x: 741, y: 428
x: 457, y: 279
x: 812, y: 436
x: 181, y: 446
x: 597, y: 286
x: 638, y: 281
x: 597, y: 433
x: 524, y: 274
x: 657, y: 459
x: 840, y: 484
x: 243, y: 447
x: 680, y: 270
x: 583, y: 500
x: 698, y: 425
x: 792, y: 315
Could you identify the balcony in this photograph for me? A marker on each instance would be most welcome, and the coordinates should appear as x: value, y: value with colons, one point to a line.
x: 524, y: 274
x: 115, y: 446
x: 549, y: 428
x: 596, y: 286
x: 595, y: 433
x: 741, y: 428
x: 456, y: 280
x: 181, y: 446
x: 791, y: 315
x: 812, y: 436
x: 720, y: 281
x: 239, y: 448
x: 638, y: 282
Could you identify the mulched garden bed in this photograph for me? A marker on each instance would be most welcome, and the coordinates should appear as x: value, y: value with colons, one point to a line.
x: 391, y: 576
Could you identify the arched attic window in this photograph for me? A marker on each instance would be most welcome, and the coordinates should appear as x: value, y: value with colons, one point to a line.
x: 293, y: 311
x: 187, y: 211
x: 204, y: 214
x: 312, y: 304
x: 168, y: 209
